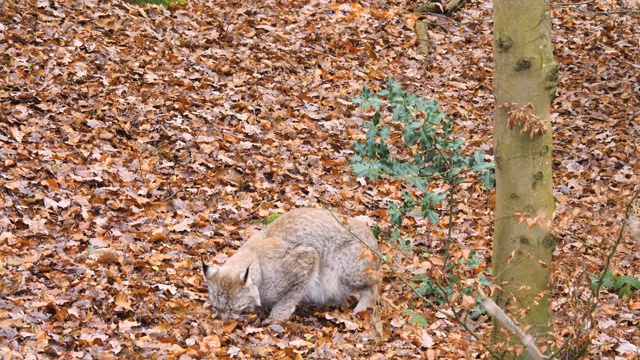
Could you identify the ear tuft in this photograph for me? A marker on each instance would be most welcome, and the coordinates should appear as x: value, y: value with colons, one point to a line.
x: 245, y: 278
x: 208, y: 271
x: 253, y: 292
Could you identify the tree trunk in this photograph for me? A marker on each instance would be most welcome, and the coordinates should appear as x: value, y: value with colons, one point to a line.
x: 525, y: 79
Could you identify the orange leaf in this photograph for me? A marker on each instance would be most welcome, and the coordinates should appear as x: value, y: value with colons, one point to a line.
x: 123, y: 301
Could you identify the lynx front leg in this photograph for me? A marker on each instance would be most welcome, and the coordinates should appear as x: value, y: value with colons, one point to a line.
x: 298, y: 268
x: 367, y: 297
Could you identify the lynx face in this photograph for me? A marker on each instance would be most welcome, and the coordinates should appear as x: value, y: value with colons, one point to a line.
x: 231, y: 296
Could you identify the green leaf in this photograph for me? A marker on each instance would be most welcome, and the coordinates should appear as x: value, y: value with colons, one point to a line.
x: 402, y: 113
x: 409, y: 135
x: 483, y: 280
x: 594, y: 281
x: 268, y: 220
x: 479, y: 163
x: 456, y: 143
x: 609, y: 280
x: 395, y: 216
x: 421, y: 183
x: 384, y: 132
x: 451, y: 174
x: 371, y: 142
x: 625, y: 293
x: 627, y: 280
x: 438, y: 197
x: 403, y: 170
x: 382, y: 150
x: 478, y: 157
x: 395, y: 91
x: 447, y: 125
x: 473, y: 261
x: 415, y: 318
x: 407, y: 197
x: 376, y: 118
x: 366, y: 93
x: 432, y: 216
x: 488, y: 179
x: 377, y: 231
x: 367, y: 169
x: 359, y: 169
x: 483, y: 166
x: 425, y: 135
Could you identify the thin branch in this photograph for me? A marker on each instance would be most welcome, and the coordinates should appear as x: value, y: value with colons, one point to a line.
x: 572, y: 4
x: 497, y: 313
x: 449, y: 228
x: 627, y: 12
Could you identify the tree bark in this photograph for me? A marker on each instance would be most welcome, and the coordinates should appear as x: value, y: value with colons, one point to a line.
x: 525, y: 77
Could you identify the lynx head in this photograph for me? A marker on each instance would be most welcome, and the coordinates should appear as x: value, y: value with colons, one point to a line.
x: 231, y: 293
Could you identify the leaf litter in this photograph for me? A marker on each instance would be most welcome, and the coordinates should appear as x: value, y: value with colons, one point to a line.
x: 136, y: 140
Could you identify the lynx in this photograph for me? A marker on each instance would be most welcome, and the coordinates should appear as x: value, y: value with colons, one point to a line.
x: 306, y: 255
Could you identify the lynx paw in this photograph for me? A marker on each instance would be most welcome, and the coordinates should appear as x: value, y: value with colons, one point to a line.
x: 366, y: 300
x: 281, y: 313
x: 271, y: 321
x: 359, y: 308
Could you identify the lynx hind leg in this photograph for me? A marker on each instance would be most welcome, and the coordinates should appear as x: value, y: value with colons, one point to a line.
x: 368, y: 297
x: 298, y: 267
x: 364, y: 277
x: 367, y: 284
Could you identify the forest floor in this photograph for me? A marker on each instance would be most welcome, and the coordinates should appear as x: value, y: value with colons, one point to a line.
x: 136, y: 140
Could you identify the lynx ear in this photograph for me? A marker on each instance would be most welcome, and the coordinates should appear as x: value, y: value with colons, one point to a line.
x: 245, y: 278
x: 208, y: 271
x: 253, y: 292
